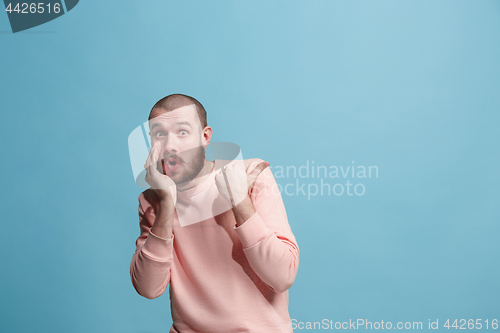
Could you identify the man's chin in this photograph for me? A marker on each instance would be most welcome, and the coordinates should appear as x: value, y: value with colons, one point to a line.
x: 180, y: 179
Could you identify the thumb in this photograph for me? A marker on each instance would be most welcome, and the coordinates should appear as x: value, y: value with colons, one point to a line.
x: 256, y: 172
x: 150, y: 215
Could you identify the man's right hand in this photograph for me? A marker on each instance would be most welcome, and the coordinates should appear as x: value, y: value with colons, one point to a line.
x: 163, y: 185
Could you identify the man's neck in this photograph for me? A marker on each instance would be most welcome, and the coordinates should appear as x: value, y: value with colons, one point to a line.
x: 208, y: 167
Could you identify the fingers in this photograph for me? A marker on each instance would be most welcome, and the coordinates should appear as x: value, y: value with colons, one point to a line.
x: 252, y: 177
x: 153, y: 156
x: 152, y: 172
x: 230, y: 194
x: 234, y: 183
x: 157, y: 155
x: 258, y: 169
x: 221, y: 184
x: 148, y: 160
x: 220, y: 181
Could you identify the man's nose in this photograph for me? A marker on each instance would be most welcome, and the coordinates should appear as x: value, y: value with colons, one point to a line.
x: 171, y: 144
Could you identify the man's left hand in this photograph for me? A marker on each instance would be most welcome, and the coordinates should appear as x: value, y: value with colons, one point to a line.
x: 234, y: 183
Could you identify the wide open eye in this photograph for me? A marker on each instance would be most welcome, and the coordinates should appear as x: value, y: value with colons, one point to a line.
x: 183, y: 132
x: 160, y: 133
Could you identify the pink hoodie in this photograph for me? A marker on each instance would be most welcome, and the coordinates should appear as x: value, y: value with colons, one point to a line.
x: 222, y: 279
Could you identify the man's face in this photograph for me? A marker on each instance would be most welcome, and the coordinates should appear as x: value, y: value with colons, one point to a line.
x: 179, y: 132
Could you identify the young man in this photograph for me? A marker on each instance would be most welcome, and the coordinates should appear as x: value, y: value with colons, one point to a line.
x: 217, y: 231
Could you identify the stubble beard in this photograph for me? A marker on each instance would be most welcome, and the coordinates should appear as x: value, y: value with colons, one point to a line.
x: 192, y: 169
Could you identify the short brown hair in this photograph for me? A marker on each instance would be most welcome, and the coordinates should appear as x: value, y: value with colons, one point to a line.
x: 175, y: 101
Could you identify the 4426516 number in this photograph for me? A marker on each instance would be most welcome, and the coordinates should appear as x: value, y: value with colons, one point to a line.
x: 32, y: 8
x: 471, y: 324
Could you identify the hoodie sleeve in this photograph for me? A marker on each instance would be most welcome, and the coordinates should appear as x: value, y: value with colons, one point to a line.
x: 268, y: 241
x: 152, y: 260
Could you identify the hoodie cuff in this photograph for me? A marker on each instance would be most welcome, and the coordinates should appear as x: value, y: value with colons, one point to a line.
x: 252, y: 231
x: 157, y: 248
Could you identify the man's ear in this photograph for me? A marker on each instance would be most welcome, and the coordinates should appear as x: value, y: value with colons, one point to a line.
x: 206, y: 136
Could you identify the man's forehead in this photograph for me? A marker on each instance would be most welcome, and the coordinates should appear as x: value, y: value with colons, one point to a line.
x: 185, y: 113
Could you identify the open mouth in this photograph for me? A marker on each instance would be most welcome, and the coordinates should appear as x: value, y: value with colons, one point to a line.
x: 170, y: 165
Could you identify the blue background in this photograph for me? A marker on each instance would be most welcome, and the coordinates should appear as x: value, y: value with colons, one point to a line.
x: 412, y: 87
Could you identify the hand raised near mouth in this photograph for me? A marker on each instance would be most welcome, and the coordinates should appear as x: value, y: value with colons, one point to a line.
x: 163, y: 185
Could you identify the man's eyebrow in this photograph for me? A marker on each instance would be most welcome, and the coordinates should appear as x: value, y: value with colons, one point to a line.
x: 178, y: 123
x: 184, y: 123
